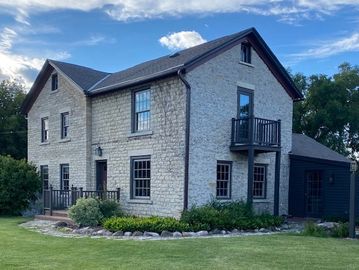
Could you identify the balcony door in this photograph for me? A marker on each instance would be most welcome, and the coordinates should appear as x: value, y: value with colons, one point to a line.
x: 244, y: 111
x: 245, y: 103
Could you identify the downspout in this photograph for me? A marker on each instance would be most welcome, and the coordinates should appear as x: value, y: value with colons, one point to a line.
x: 187, y: 131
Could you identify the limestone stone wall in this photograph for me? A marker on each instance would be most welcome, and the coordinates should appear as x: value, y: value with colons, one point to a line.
x: 56, y: 151
x: 213, y: 104
x: 111, y: 130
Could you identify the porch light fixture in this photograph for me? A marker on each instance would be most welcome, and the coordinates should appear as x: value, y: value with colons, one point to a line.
x: 98, y: 151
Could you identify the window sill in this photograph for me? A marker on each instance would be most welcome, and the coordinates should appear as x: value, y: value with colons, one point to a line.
x: 140, y: 133
x: 54, y: 91
x: 261, y: 200
x: 246, y: 64
x: 140, y: 201
x: 65, y: 140
x: 44, y: 143
x: 224, y: 199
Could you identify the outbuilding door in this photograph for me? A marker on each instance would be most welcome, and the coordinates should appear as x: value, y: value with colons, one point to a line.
x: 314, y: 193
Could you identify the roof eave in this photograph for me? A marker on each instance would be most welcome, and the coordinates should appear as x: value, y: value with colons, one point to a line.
x: 26, y: 105
x: 135, y: 82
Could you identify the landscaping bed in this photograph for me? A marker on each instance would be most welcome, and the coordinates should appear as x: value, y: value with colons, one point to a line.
x: 95, y: 217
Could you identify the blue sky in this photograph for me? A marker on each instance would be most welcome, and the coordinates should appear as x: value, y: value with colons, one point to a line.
x: 308, y: 36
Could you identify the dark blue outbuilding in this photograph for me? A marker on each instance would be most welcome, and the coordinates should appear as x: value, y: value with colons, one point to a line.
x: 319, y: 182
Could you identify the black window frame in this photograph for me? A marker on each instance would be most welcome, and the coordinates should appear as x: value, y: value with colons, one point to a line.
x: 264, y: 182
x: 45, y: 182
x: 65, y: 127
x: 229, y: 180
x: 135, y: 113
x: 44, y: 132
x: 62, y: 179
x: 54, y: 82
x: 133, y: 180
x: 246, y: 53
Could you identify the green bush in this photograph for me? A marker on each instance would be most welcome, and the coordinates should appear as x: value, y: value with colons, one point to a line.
x: 340, y: 231
x: 312, y: 229
x: 110, y: 208
x: 19, y: 184
x: 228, y: 216
x: 86, y: 212
x: 150, y: 224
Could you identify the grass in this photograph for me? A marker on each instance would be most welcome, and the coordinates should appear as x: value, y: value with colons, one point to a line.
x: 23, y: 249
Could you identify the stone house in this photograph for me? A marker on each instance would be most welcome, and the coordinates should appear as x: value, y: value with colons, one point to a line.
x: 210, y: 122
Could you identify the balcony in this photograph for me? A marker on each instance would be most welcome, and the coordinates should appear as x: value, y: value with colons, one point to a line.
x: 262, y: 135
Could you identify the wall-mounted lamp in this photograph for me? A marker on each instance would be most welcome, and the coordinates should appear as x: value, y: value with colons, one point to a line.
x: 98, y: 151
x: 331, y: 179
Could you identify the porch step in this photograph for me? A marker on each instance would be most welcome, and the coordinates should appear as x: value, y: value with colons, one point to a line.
x: 58, y: 213
x: 54, y: 218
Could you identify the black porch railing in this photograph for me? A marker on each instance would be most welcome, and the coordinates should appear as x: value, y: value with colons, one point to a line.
x: 255, y: 131
x: 61, y: 199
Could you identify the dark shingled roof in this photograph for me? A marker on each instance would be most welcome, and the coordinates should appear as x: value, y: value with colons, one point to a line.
x: 305, y: 146
x: 168, y: 63
x: 83, y: 76
x: 95, y: 82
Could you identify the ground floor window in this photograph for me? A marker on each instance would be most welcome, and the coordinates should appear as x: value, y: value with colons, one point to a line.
x: 65, y: 176
x: 141, y: 177
x: 44, y: 172
x: 224, y: 174
x: 260, y: 181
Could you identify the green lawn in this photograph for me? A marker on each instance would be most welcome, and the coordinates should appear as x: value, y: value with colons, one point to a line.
x: 22, y: 249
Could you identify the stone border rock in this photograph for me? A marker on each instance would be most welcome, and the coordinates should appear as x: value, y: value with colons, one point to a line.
x: 62, y: 229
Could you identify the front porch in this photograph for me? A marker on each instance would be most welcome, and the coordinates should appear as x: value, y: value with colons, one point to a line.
x: 62, y: 199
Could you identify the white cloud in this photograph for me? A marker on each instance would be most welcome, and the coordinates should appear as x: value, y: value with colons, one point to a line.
x: 181, y: 40
x: 124, y: 10
x: 329, y: 48
x: 17, y: 66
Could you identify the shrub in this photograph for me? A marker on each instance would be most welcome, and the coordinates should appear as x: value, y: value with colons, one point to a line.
x: 228, y: 216
x: 110, y: 208
x: 86, y: 212
x: 150, y: 224
x: 19, y: 184
x: 341, y: 230
x: 312, y: 229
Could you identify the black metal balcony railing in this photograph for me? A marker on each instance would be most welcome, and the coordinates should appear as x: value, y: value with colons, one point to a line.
x: 256, y: 131
x: 61, y: 199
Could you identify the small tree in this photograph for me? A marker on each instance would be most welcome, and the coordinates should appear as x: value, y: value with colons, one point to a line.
x: 19, y: 184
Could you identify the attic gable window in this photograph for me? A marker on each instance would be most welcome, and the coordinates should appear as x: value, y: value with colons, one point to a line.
x: 54, y: 82
x: 246, y: 52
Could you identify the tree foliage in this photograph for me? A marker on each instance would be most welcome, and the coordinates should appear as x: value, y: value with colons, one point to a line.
x: 330, y: 110
x: 19, y: 184
x: 13, y: 136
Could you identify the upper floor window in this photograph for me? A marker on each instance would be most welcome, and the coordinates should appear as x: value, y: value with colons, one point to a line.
x: 44, y: 171
x: 142, y: 110
x: 44, y: 129
x: 224, y: 171
x: 246, y: 53
x: 54, y: 82
x: 260, y: 181
x: 65, y: 125
x: 65, y: 176
x: 141, y: 177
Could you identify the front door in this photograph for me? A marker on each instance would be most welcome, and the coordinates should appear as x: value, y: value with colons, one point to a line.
x: 314, y: 194
x: 101, y: 175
